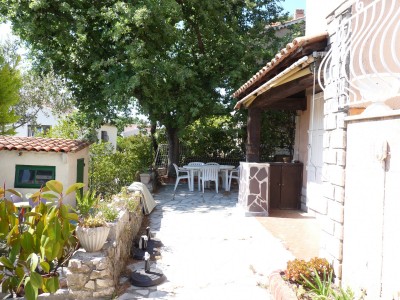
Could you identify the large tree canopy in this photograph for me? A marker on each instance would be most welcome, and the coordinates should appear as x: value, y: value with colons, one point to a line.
x: 174, y: 57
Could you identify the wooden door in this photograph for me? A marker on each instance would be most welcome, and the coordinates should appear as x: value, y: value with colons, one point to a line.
x: 274, y: 186
x: 291, y: 186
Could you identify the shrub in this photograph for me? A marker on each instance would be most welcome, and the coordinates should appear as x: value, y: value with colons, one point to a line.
x: 38, y: 242
x: 299, y: 270
x: 109, y: 171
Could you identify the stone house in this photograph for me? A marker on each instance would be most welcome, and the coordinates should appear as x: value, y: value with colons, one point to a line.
x: 27, y: 163
x: 344, y: 84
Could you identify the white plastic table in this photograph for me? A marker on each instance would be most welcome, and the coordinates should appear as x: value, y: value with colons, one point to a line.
x: 223, y: 168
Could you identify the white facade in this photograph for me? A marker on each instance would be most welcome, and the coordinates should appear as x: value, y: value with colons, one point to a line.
x: 44, y: 117
x: 65, y: 164
x: 108, y: 133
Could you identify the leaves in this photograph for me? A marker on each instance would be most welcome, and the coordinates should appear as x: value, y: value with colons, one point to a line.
x: 6, y: 262
x: 51, y: 284
x: 55, y: 186
x: 74, y: 187
x: 10, y: 83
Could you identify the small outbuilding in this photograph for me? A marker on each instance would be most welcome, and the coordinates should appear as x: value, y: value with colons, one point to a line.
x: 27, y: 163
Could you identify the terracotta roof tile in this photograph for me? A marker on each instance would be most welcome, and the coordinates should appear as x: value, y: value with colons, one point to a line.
x: 41, y: 144
x: 280, y: 56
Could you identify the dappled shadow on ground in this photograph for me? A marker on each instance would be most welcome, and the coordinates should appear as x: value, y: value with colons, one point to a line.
x: 183, y: 201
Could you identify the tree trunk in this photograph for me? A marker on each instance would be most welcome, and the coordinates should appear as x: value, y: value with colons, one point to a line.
x: 173, y: 149
x: 253, y: 135
x: 153, y: 138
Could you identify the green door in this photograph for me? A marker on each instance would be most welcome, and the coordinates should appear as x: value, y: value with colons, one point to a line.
x: 79, y: 169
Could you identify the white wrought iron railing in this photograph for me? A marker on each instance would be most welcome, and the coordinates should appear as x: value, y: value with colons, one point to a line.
x: 363, y: 63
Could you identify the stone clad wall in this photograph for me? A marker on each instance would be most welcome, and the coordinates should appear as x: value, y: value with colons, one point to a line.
x: 93, y: 275
x: 253, y: 188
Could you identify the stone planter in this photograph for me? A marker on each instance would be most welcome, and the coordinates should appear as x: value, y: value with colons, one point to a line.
x: 145, y: 178
x: 92, y: 239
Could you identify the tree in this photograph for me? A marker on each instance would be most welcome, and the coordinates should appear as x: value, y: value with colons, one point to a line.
x: 40, y: 92
x: 174, y: 57
x: 74, y: 126
x: 10, y: 82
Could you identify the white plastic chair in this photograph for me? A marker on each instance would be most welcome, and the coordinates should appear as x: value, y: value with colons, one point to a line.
x: 210, y: 173
x: 196, y: 172
x: 216, y: 164
x: 233, y: 174
x: 182, y: 171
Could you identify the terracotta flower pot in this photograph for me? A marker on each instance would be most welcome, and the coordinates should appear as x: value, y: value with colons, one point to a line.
x: 92, y: 239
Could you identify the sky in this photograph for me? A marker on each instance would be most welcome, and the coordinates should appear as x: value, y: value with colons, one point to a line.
x: 291, y: 5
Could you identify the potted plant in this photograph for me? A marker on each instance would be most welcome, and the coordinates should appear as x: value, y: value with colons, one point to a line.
x: 92, y: 232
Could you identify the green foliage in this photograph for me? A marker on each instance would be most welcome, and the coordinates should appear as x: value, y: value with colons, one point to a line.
x: 342, y: 294
x: 129, y: 201
x: 39, y: 242
x: 212, y: 136
x: 278, y: 130
x: 321, y: 288
x: 299, y: 270
x: 178, y: 60
x: 108, y: 211
x: 46, y: 93
x: 10, y: 83
x: 86, y: 201
x: 73, y: 126
x: 110, y: 171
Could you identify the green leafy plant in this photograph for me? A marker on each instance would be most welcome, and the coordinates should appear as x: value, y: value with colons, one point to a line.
x: 321, y: 288
x: 342, y: 294
x: 86, y: 202
x: 109, y: 212
x: 39, y: 242
x: 110, y: 171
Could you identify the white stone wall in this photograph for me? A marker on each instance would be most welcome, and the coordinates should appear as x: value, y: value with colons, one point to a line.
x: 330, y: 207
x: 96, y: 275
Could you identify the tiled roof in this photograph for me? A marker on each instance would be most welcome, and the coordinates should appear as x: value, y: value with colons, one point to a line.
x: 40, y: 144
x: 280, y: 25
x: 279, y: 57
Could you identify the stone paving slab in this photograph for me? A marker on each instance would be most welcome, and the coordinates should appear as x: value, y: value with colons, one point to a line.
x: 211, y: 250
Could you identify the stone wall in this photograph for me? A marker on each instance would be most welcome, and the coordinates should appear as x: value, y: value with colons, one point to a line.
x: 253, y: 188
x: 96, y: 275
x: 331, y: 209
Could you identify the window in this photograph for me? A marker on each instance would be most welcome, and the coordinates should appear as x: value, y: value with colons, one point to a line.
x: 33, y: 176
x: 104, y: 136
x: 35, y: 129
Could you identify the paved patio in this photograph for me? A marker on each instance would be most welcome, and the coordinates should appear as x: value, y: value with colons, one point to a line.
x: 211, y: 250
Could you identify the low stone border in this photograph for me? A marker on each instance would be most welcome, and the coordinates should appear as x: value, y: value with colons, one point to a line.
x: 96, y: 275
x: 278, y: 288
